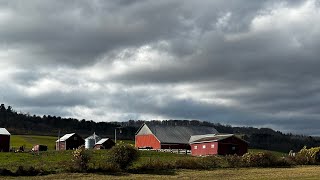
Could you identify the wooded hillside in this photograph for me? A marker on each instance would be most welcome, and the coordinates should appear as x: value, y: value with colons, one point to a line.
x: 262, y: 138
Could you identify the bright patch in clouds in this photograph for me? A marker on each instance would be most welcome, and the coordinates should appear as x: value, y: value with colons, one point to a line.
x: 241, y: 63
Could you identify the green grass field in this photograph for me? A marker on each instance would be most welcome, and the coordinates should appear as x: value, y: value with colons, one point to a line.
x: 28, y: 141
x: 59, y: 161
x: 302, y: 172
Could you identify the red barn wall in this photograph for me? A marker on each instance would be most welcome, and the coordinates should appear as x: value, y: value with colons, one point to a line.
x: 206, y: 148
x: 4, y: 143
x: 148, y: 140
x: 232, y: 145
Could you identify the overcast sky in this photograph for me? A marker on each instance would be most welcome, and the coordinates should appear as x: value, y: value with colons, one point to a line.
x: 238, y: 62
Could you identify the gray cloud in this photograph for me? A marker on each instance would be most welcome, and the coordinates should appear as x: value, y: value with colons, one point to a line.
x: 238, y: 62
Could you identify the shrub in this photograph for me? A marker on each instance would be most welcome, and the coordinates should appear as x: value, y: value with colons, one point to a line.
x: 307, y: 156
x: 155, y: 165
x: 207, y: 162
x: 123, y: 155
x: 31, y: 171
x: 81, y: 158
x: 261, y: 159
x: 210, y: 162
x: 189, y: 163
x: 234, y: 161
x: 285, y: 162
x: 105, y: 168
x: 5, y: 172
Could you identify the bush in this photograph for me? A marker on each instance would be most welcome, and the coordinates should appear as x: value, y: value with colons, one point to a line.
x: 189, y: 163
x: 285, y: 162
x: 152, y: 166
x: 208, y: 162
x: 307, y: 156
x: 31, y: 171
x: 109, y: 168
x: 261, y: 159
x: 81, y: 158
x: 234, y: 161
x: 5, y: 172
x: 123, y: 155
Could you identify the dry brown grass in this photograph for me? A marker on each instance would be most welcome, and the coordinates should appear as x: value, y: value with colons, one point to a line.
x: 302, y: 172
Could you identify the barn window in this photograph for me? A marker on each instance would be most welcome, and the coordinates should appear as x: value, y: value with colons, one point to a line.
x: 212, y: 145
x: 204, y: 146
x: 233, y: 148
x: 75, y: 138
x: 195, y: 147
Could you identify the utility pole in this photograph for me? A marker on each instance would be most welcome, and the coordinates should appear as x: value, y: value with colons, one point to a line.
x: 115, y: 133
x: 58, y: 148
x: 94, y: 137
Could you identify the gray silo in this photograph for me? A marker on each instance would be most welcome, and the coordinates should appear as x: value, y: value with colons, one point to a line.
x: 91, y: 141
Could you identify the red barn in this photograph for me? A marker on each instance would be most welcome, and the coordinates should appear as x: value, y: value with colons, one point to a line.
x: 168, y: 136
x: 221, y: 144
x: 69, y: 141
x: 4, y: 140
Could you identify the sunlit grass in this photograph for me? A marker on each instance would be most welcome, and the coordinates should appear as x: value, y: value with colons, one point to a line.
x: 302, y: 172
x: 28, y: 141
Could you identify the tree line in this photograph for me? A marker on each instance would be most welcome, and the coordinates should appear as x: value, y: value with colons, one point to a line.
x: 262, y: 138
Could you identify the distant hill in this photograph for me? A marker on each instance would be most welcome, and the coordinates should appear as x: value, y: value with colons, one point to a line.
x: 260, y: 138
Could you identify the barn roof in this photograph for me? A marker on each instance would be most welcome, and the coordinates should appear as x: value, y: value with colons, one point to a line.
x: 210, y: 138
x: 65, y: 137
x: 103, y: 140
x: 4, y: 131
x: 175, y: 134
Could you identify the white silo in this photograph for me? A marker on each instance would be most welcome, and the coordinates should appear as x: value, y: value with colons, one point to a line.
x: 91, y: 141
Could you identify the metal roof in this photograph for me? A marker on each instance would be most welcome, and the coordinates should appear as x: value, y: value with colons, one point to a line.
x: 197, y: 137
x: 211, y: 138
x: 65, y: 137
x: 93, y: 136
x: 4, y: 131
x: 175, y: 134
x: 103, y: 140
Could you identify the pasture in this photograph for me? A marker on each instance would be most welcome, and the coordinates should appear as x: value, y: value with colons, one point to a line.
x: 301, y: 172
x: 58, y: 162
x: 28, y: 141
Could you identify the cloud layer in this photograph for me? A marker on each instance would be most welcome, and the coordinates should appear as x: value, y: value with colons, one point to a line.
x: 236, y: 62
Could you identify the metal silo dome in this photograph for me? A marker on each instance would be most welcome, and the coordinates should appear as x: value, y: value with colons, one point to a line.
x: 91, y: 141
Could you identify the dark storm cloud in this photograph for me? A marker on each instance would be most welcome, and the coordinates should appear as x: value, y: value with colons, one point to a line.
x: 252, y: 63
x: 78, y: 33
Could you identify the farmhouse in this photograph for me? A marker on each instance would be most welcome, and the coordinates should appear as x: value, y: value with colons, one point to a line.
x: 168, y: 136
x: 104, y: 143
x: 69, y: 141
x: 4, y: 140
x: 221, y: 144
